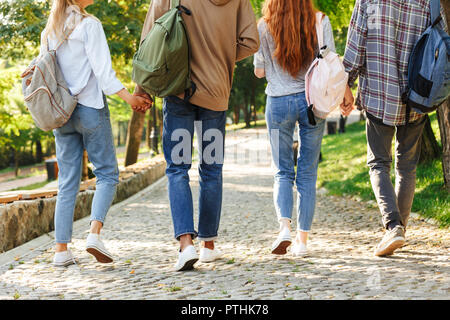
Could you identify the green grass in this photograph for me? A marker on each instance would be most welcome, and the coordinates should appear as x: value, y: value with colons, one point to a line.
x: 33, y: 186
x: 343, y: 171
x: 9, y: 169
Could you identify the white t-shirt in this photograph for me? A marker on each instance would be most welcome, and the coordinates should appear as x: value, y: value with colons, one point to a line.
x: 85, y: 62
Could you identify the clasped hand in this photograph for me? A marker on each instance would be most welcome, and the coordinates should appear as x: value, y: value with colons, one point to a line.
x: 347, y: 105
x: 142, y: 102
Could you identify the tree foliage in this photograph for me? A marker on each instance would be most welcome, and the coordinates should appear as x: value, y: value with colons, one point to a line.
x: 22, y: 21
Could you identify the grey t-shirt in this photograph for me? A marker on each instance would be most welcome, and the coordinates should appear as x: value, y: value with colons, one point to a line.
x: 280, y: 82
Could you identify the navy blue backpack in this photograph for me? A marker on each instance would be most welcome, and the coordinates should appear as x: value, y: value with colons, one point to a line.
x: 429, y: 67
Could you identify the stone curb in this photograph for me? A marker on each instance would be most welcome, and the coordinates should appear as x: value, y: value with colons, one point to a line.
x: 22, y: 221
x: 45, y: 240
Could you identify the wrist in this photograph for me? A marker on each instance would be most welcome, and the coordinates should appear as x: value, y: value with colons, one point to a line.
x: 125, y: 95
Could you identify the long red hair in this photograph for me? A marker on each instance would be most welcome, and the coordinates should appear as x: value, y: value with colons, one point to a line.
x: 292, y: 26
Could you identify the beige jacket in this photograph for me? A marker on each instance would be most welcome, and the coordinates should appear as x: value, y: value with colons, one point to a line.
x: 221, y: 32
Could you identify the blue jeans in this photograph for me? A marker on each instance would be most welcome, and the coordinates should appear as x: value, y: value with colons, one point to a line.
x: 282, y: 114
x: 88, y: 129
x: 180, y: 121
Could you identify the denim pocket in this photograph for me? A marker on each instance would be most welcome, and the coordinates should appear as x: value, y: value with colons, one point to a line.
x: 278, y: 110
x: 319, y: 120
x: 89, y: 117
x: 177, y: 106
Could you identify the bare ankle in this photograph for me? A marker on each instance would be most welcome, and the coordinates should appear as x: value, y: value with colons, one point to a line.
x: 60, y: 247
x: 185, y: 241
x: 302, y: 237
x: 96, y: 226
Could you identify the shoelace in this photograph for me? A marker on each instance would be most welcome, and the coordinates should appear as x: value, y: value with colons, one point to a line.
x: 73, y: 258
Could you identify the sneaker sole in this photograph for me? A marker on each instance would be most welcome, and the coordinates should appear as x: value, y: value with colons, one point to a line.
x: 99, y: 255
x: 282, y: 247
x: 189, y: 265
x: 389, y: 250
x: 209, y: 260
x: 303, y: 254
x: 64, y: 264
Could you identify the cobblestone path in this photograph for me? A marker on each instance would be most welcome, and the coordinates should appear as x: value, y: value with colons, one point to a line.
x: 139, y: 233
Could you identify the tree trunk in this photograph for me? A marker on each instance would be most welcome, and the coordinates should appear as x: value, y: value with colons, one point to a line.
x: 39, y: 151
x: 31, y: 150
x: 118, y: 133
x: 443, y: 114
x: 134, y: 136
x: 16, y: 162
x: 429, y: 148
x: 253, y: 99
x: 247, y: 115
x: 236, y: 113
x: 154, y: 132
x: 84, y: 168
x: 148, y: 139
x: 247, y: 112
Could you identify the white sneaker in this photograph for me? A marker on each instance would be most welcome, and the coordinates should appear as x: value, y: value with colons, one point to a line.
x: 208, y: 255
x: 63, y: 259
x: 299, y: 249
x: 96, y: 247
x: 283, y: 242
x: 186, y: 259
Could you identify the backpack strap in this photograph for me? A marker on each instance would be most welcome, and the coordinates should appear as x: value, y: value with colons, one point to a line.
x: 66, y: 37
x: 319, y: 28
x: 435, y: 9
x: 175, y: 3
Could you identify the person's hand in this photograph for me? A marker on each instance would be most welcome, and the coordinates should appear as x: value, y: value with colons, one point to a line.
x: 142, y: 102
x: 347, y: 105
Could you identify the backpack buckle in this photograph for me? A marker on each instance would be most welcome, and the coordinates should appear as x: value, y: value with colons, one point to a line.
x: 323, y: 52
x: 183, y: 9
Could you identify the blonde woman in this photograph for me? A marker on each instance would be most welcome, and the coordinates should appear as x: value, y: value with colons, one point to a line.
x: 85, y: 62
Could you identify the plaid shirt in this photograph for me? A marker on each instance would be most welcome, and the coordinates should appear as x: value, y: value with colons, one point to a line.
x: 381, y: 36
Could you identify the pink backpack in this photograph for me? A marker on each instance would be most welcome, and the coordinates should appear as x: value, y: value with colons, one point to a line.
x: 326, y: 79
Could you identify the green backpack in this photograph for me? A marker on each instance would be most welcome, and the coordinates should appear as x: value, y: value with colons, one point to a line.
x: 161, y: 66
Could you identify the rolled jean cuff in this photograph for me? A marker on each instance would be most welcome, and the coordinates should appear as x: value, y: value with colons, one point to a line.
x: 281, y: 218
x: 63, y: 241
x: 97, y: 219
x: 192, y: 233
x: 207, y: 238
x: 302, y: 230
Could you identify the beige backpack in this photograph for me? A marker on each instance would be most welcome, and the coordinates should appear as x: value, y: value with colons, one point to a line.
x: 45, y: 91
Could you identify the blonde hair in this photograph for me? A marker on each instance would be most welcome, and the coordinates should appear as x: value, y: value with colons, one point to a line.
x: 58, y: 16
